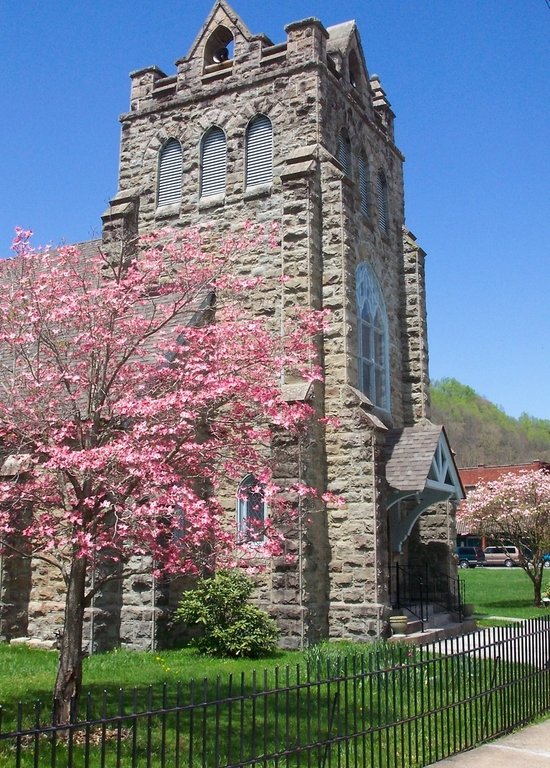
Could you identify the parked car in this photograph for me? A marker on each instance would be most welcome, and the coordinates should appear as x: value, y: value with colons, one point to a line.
x: 470, y: 557
x: 508, y: 556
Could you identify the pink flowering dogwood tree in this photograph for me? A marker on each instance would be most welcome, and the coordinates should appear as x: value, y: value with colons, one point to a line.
x: 515, y: 509
x: 131, y: 390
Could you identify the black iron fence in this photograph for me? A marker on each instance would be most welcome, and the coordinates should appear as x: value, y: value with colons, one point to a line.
x: 421, y: 589
x: 393, y: 706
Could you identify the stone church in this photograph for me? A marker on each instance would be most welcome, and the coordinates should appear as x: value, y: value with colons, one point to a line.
x: 300, y: 134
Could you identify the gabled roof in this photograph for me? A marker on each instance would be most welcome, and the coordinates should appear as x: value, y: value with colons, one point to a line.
x: 419, y: 458
x: 339, y: 35
x: 345, y: 37
x: 420, y: 469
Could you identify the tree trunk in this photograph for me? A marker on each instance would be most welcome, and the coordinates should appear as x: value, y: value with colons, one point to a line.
x: 537, y: 584
x: 69, y: 672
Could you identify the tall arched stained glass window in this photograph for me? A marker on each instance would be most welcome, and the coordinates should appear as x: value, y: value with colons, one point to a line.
x: 372, y: 333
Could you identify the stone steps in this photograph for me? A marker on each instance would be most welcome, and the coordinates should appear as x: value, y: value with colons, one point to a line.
x: 438, y: 625
x: 415, y: 636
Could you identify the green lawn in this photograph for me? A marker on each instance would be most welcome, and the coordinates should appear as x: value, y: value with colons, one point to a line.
x: 28, y: 674
x: 394, y: 705
x: 506, y: 592
x: 403, y: 701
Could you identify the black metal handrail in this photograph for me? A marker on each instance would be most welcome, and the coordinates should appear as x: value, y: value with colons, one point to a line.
x: 417, y: 588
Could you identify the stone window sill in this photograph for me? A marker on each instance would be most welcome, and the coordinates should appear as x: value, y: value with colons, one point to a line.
x: 213, y: 201
x: 262, y: 190
x: 167, y: 211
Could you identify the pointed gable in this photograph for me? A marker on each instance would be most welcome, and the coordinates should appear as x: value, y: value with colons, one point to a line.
x: 344, y: 46
x: 222, y: 28
x: 420, y: 458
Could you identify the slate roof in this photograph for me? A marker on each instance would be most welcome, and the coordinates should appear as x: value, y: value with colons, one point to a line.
x: 409, y: 455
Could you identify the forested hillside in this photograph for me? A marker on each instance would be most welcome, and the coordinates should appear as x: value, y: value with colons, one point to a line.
x: 481, y: 433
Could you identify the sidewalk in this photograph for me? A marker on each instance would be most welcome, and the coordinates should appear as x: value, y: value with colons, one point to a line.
x: 528, y: 747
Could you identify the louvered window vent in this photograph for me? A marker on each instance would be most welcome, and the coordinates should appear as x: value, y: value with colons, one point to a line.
x: 344, y: 153
x: 213, y: 162
x: 259, y: 152
x: 364, y: 185
x: 382, y: 201
x: 169, y: 174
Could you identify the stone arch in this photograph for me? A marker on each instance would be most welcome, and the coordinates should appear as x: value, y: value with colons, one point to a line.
x: 219, y: 46
x: 210, y: 117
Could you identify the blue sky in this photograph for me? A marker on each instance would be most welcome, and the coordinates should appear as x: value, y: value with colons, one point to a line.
x: 469, y: 82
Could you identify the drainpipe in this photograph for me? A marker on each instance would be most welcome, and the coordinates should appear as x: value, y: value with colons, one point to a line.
x: 300, y: 550
x: 153, y: 606
x: 376, y: 524
x: 1, y: 593
x: 92, y: 612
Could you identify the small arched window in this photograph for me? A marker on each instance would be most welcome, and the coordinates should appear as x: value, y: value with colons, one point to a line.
x: 344, y: 152
x: 259, y: 151
x: 364, y: 196
x: 169, y: 174
x: 382, y: 201
x: 251, y: 509
x: 213, y: 162
x: 372, y: 333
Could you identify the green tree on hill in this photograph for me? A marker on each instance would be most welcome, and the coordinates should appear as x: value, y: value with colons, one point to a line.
x: 481, y: 433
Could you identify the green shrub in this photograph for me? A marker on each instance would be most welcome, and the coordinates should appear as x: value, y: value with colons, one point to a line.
x: 230, y: 626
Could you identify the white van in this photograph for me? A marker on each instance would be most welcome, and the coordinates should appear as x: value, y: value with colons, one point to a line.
x: 508, y: 556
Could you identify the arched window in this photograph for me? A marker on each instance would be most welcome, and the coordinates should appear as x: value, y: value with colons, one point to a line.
x: 169, y: 174
x: 382, y: 201
x: 251, y: 509
x: 344, y: 152
x: 259, y: 151
x: 372, y: 333
x: 364, y: 201
x: 213, y: 162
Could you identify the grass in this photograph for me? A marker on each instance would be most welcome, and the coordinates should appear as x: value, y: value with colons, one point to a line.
x: 500, y: 592
x: 28, y: 674
x: 420, y: 707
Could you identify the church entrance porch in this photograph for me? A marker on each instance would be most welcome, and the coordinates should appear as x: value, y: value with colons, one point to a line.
x: 424, y: 490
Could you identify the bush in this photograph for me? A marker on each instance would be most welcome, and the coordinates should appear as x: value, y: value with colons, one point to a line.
x: 230, y: 626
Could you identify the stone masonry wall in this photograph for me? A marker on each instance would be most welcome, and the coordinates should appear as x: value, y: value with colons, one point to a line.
x: 324, y: 236
x: 336, y: 583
